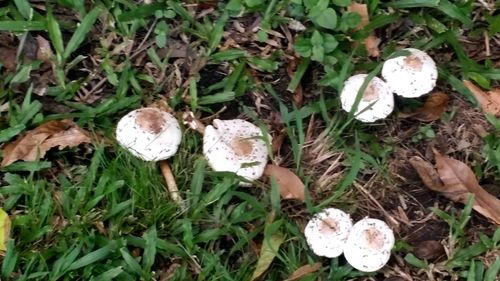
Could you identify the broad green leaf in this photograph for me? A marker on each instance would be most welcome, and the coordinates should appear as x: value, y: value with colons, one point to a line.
x: 326, y: 18
x: 316, y: 39
x: 267, y: 254
x: 4, y: 230
x: 329, y: 43
x: 81, y: 32
x: 303, y: 47
x: 342, y: 3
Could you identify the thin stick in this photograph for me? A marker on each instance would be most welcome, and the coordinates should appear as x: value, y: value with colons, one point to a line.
x: 171, y: 185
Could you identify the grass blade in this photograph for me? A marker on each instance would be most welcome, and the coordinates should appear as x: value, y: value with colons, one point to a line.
x: 18, y: 25
x: 454, y: 12
x: 55, y: 33
x: 405, y: 4
x: 150, y: 249
x: 81, y: 32
x: 92, y: 257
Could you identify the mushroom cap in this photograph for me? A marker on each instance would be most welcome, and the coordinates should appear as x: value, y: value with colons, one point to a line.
x: 149, y: 133
x: 369, y: 244
x: 235, y: 146
x: 411, y: 76
x: 377, y: 101
x: 326, y: 233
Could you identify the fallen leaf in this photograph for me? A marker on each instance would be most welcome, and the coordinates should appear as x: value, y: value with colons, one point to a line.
x: 4, y: 229
x: 35, y: 143
x: 44, y: 52
x: 303, y: 271
x: 8, y: 58
x: 428, y: 174
x: 456, y: 181
x: 290, y: 185
x: 429, y: 249
x: 371, y: 42
x: 434, y: 106
x: 489, y: 101
x: 459, y: 176
x: 268, y: 251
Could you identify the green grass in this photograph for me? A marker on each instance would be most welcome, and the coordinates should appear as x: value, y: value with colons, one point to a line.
x: 97, y: 213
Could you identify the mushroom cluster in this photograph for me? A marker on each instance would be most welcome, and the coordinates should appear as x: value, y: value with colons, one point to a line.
x: 366, y: 245
x: 236, y: 145
x: 409, y: 76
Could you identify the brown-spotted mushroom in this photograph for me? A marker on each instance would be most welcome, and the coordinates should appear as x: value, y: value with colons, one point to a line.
x: 235, y: 146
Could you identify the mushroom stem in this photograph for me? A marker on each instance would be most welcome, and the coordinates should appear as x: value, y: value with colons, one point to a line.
x: 171, y: 185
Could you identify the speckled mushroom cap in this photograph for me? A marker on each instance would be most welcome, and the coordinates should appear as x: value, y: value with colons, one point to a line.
x: 326, y: 233
x: 377, y: 101
x: 411, y: 76
x: 149, y: 133
x: 235, y: 146
x: 369, y: 244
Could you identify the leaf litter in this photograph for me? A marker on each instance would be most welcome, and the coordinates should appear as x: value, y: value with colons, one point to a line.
x: 35, y: 143
x: 371, y: 42
x: 489, y: 101
x: 455, y: 180
x: 289, y: 184
x: 434, y: 106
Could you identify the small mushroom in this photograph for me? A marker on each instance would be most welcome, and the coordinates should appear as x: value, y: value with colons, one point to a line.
x: 326, y: 233
x: 152, y: 135
x: 369, y: 244
x: 149, y: 133
x: 376, y: 103
x: 235, y: 146
x: 411, y: 76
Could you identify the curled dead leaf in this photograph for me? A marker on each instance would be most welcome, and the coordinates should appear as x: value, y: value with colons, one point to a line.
x: 303, y: 271
x: 371, y: 42
x: 489, y: 101
x: 35, y: 143
x: 434, y: 106
x: 290, y: 185
x: 455, y: 180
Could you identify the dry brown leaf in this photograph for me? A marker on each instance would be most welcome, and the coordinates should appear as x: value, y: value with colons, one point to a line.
x: 489, y: 101
x: 456, y: 181
x: 35, y: 143
x: 434, y: 106
x: 44, y: 52
x: 8, y: 58
x: 303, y: 271
x: 371, y: 42
x: 290, y: 186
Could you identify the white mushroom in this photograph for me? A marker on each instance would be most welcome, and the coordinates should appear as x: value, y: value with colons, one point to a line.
x: 369, y: 244
x: 411, y: 76
x: 235, y: 146
x: 326, y: 233
x: 376, y: 103
x: 149, y: 133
